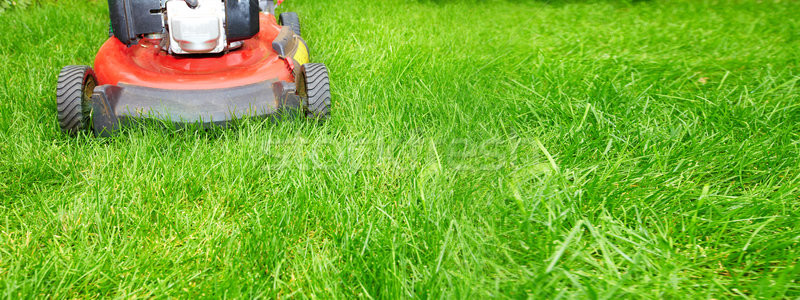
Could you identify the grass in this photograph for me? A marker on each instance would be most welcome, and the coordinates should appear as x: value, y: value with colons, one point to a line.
x: 518, y: 149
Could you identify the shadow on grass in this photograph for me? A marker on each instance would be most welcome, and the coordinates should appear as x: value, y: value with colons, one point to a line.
x: 290, y: 122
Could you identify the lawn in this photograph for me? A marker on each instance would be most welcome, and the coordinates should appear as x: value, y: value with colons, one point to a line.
x: 520, y: 149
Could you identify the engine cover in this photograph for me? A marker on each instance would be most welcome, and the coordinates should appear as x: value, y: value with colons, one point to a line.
x: 187, y: 26
x: 196, y: 30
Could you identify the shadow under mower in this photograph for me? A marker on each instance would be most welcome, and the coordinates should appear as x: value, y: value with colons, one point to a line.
x: 206, y: 62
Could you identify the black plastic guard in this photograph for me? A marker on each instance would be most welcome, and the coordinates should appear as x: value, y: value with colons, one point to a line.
x: 117, y: 106
x: 130, y: 18
x: 242, y: 21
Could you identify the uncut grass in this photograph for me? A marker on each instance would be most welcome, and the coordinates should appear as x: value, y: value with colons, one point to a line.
x: 580, y: 149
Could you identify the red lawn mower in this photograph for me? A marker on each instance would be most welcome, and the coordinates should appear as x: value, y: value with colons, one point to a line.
x: 205, y: 62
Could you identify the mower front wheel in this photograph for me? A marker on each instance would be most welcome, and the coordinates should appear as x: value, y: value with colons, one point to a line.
x: 73, y: 97
x: 315, y: 89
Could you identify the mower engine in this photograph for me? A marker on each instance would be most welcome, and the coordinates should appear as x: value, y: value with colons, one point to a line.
x: 191, y: 26
x: 195, y: 30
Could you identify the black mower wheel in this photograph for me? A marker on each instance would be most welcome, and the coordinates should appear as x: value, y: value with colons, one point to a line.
x: 73, y: 97
x: 292, y: 20
x: 315, y: 89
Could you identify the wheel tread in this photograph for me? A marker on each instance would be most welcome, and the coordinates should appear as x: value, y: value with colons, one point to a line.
x: 317, y: 91
x: 69, y: 98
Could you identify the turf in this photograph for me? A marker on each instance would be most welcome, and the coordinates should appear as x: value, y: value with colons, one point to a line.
x: 598, y: 149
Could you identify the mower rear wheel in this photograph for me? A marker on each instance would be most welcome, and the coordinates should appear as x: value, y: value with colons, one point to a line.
x: 314, y: 88
x: 73, y: 97
x: 292, y: 20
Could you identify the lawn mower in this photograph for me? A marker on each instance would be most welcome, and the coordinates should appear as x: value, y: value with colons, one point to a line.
x: 207, y: 62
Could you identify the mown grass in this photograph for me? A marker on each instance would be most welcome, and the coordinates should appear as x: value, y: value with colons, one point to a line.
x: 478, y: 149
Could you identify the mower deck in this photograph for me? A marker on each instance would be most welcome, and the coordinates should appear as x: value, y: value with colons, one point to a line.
x: 146, y: 64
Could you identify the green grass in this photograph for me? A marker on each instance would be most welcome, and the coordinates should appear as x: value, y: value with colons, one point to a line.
x: 478, y: 149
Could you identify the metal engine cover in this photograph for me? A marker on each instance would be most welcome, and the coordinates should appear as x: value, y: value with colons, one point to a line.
x: 196, y: 30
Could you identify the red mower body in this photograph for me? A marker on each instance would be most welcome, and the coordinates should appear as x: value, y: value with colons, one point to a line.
x: 146, y: 65
x: 268, y: 76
